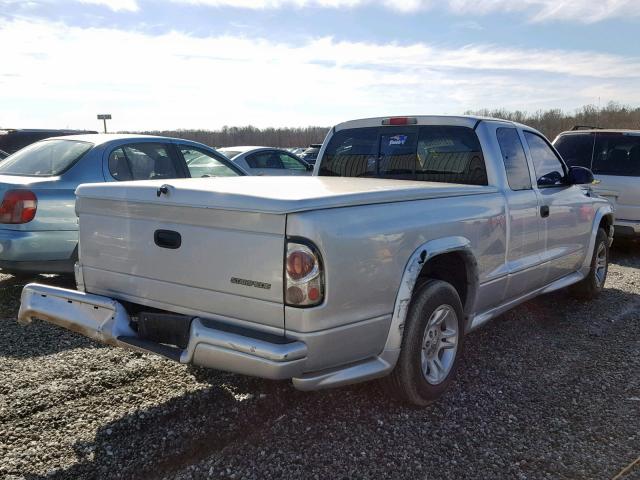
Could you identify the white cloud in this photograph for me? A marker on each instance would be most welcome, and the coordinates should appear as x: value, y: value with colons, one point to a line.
x: 115, y: 5
x: 56, y: 75
x: 584, y: 11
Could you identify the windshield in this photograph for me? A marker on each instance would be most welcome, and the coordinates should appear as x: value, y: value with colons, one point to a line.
x: 606, y: 153
x: 45, y: 159
x: 431, y: 153
x: 229, y: 153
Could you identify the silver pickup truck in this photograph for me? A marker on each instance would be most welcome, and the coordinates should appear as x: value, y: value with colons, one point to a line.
x: 412, y: 232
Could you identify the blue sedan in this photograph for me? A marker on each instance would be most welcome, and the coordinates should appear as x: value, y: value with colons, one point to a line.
x: 38, y: 224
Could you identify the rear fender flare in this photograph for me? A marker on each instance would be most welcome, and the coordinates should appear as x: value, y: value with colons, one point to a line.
x: 605, y: 210
x: 411, y: 273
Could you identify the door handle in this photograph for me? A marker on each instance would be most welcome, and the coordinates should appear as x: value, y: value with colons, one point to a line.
x: 544, y: 211
x: 167, y: 239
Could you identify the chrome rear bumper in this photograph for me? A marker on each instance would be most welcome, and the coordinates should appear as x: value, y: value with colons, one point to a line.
x: 106, y: 320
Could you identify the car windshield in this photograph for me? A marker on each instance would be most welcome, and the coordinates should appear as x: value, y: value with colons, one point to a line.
x: 229, y: 153
x: 47, y: 158
x: 606, y: 153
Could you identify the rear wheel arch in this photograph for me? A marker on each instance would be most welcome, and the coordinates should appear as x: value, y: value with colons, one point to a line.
x: 458, y: 268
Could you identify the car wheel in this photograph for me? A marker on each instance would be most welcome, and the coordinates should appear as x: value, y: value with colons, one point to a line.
x: 593, y: 283
x: 431, y: 345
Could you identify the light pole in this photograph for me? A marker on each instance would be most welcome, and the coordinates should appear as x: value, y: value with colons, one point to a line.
x: 104, y: 117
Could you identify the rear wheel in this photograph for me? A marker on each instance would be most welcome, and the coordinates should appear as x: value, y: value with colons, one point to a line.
x: 593, y: 283
x: 431, y: 345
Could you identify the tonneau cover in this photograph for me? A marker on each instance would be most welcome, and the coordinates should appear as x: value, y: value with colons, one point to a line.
x: 275, y: 195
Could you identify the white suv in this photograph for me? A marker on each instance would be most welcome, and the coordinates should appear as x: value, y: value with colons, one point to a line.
x: 614, y: 158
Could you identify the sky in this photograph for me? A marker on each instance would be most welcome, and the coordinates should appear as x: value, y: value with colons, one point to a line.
x: 182, y: 64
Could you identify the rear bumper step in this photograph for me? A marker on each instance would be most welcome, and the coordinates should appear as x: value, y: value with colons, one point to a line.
x: 210, y: 343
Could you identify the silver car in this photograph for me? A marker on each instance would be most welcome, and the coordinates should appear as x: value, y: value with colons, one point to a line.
x: 38, y: 223
x: 267, y: 161
x: 614, y: 158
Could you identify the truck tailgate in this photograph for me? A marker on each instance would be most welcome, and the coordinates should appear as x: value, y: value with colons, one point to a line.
x: 164, y: 252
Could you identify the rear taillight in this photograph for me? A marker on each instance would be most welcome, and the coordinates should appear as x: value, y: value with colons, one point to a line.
x: 304, y: 279
x: 400, y: 121
x: 18, y: 206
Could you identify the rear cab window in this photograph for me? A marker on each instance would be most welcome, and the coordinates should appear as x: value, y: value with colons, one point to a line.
x: 434, y: 153
x: 48, y: 158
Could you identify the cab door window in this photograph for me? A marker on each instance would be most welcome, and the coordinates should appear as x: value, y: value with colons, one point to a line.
x: 515, y: 160
x: 549, y: 169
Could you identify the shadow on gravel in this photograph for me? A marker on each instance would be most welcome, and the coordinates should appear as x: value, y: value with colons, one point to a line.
x: 530, y: 383
x: 150, y: 442
x: 39, y: 338
x: 547, y: 390
x: 626, y: 252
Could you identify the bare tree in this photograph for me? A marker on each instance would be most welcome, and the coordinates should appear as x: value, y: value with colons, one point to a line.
x: 552, y: 122
x: 249, y: 135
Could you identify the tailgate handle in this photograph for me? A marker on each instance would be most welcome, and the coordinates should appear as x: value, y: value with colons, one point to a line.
x: 167, y: 239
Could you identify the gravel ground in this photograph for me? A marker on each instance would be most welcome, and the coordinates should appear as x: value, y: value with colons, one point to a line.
x: 549, y: 390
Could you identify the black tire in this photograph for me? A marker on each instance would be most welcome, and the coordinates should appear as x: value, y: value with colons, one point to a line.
x: 593, y: 283
x: 407, y: 381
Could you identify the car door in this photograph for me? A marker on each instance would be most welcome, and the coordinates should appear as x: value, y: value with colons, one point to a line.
x: 526, y: 246
x: 566, y: 217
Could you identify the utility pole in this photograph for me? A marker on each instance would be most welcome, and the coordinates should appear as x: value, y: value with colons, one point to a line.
x: 104, y: 117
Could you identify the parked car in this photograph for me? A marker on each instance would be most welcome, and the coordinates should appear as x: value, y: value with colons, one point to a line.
x: 331, y: 280
x: 614, y: 157
x: 13, y: 139
x: 38, y: 223
x: 311, y: 154
x: 267, y: 161
x: 3, y: 154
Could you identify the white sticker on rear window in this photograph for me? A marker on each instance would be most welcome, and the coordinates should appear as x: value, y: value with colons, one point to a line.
x: 397, y: 140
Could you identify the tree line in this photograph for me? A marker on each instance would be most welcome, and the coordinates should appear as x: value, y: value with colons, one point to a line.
x: 550, y: 122
x: 249, y: 135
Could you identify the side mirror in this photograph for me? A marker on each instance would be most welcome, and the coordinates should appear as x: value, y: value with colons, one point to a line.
x: 580, y: 176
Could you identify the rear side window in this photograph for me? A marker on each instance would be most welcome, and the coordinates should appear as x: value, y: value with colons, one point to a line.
x: 142, y: 161
x: 291, y: 163
x: 203, y: 164
x: 45, y: 159
x: 428, y: 153
x: 576, y: 149
x: 548, y: 167
x: 515, y: 160
x: 616, y: 154
x: 264, y: 160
